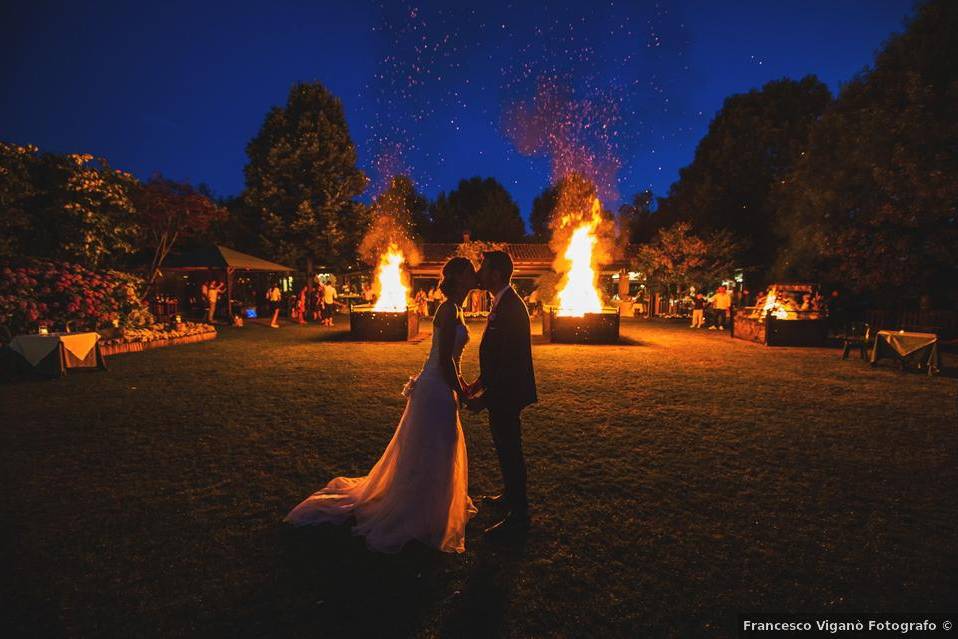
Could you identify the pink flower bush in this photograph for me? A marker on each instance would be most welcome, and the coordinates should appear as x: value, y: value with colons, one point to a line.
x: 58, y: 292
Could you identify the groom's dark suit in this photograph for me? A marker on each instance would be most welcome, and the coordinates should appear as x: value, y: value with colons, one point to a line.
x: 505, y: 371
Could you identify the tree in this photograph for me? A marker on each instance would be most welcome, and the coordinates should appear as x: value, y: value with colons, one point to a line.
x: 481, y: 207
x: 678, y: 258
x: 168, y: 211
x: 301, y: 179
x: 70, y: 207
x: 872, y: 203
x: 751, y: 145
x: 638, y: 221
x: 543, y: 208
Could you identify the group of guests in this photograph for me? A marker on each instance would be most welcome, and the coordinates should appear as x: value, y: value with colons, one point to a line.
x: 720, y: 305
x: 427, y: 300
x: 318, y: 303
x: 210, y: 291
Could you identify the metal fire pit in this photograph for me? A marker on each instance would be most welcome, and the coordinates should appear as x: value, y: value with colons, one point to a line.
x: 591, y: 328
x: 382, y: 326
x: 772, y: 331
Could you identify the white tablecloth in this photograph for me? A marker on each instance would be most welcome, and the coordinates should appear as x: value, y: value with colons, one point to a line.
x: 34, y: 348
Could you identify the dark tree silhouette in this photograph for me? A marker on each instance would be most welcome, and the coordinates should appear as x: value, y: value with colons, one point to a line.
x: 751, y: 145
x: 637, y: 219
x: 168, y: 211
x: 543, y: 207
x: 301, y: 180
x: 481, y: 207
x: 872, y: 204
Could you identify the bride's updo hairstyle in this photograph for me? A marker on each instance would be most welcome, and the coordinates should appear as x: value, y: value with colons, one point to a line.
x: 455, y: 266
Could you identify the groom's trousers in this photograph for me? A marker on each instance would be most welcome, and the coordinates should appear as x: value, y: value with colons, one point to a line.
x: 506, y: 427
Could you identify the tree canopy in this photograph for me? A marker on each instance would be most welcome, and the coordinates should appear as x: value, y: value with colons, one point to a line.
x: 677, y: 257
x: 480, y: 206
x: 872, y: 203
x: 751, y: 145
x: 71, y: 207
x: 301, y: 179
x: 168, y: 211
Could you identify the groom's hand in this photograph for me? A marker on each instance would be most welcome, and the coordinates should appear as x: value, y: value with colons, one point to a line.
x: 475, y: 404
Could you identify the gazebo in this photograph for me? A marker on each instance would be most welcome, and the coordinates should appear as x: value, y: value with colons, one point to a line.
x: 216, y: 257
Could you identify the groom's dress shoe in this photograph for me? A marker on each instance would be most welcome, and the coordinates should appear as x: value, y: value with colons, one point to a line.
x: 514, y: 526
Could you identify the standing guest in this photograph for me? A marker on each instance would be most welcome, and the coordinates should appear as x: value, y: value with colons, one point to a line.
x: 722, y: 303
x: 422, y: 303
x: 213, y: 290
x: 301, y: 305
x: 476, y: 300
x: 318, y: 296
x: 273, y: 298
x: 698, y: 311
x: 329, y: 303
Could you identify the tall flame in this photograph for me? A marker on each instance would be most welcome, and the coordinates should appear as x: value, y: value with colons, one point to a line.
x: 579, y: 295
x: 393, y: 294
x: 773, y: 307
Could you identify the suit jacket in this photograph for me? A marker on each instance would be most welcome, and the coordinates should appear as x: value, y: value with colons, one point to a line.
x: 505, y: 355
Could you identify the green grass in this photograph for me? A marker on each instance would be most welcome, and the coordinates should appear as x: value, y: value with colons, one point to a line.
x: 675, y: 481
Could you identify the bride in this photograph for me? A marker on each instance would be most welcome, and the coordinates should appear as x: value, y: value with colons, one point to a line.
x: 419, y: 487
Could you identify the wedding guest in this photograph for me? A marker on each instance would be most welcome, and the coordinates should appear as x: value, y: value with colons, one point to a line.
x: 213, y: 290
x: 329, y: 303
x: 274, y: 297
x: 316, y: 302
x: 722, y: 303
x: 422, y: 303
x: 698, y: 311
x: 301, y: 305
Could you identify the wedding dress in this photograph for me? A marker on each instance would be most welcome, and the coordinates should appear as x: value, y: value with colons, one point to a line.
x: 419, y: 487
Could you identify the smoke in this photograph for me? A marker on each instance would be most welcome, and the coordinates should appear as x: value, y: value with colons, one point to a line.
x: 391, y: 224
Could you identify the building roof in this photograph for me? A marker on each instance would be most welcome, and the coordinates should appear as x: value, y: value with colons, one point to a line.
x: 529, y: 259
x: 216, y: 256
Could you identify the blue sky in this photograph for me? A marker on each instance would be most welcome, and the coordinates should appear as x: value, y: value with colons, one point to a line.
x: 180, y: 88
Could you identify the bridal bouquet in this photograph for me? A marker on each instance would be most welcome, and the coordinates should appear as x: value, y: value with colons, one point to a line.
x: 410, y: 386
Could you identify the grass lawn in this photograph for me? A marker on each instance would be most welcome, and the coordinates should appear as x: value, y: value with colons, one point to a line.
x: 676, y: 481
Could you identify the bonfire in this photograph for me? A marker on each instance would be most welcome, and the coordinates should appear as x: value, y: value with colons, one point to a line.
x: 392, y: 294
x: 578, y: 295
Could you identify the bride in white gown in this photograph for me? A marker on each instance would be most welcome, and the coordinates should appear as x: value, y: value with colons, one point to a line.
x: 419, y: 487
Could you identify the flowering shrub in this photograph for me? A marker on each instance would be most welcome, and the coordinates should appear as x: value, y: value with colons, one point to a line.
x: 58, y: 292
x: 159, y: 331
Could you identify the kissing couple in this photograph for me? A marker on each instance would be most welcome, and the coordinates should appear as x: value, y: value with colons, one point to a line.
x: 419, y: 488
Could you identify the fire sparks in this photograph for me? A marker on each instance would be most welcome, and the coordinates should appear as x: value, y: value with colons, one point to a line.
x: 579, y: 296
x: 392, y: 293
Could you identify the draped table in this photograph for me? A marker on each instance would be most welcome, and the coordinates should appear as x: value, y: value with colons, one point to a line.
x: 52, y: 354
x: 903, y: 345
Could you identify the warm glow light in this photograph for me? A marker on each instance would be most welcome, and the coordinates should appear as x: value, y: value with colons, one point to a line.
x: 579, y: 295
x: 393, y: 294
x: 772, y: 307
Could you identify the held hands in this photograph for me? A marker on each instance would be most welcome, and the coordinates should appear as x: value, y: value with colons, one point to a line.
x: 473, y: 399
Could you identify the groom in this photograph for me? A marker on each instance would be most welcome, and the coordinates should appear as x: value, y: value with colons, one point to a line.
x: 505, y: 386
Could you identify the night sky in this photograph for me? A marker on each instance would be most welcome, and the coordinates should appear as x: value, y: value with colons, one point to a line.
x: 429, y: 88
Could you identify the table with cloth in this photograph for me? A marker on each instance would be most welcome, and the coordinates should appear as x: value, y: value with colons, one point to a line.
x: 903, y: 345
x: 52, y: 354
